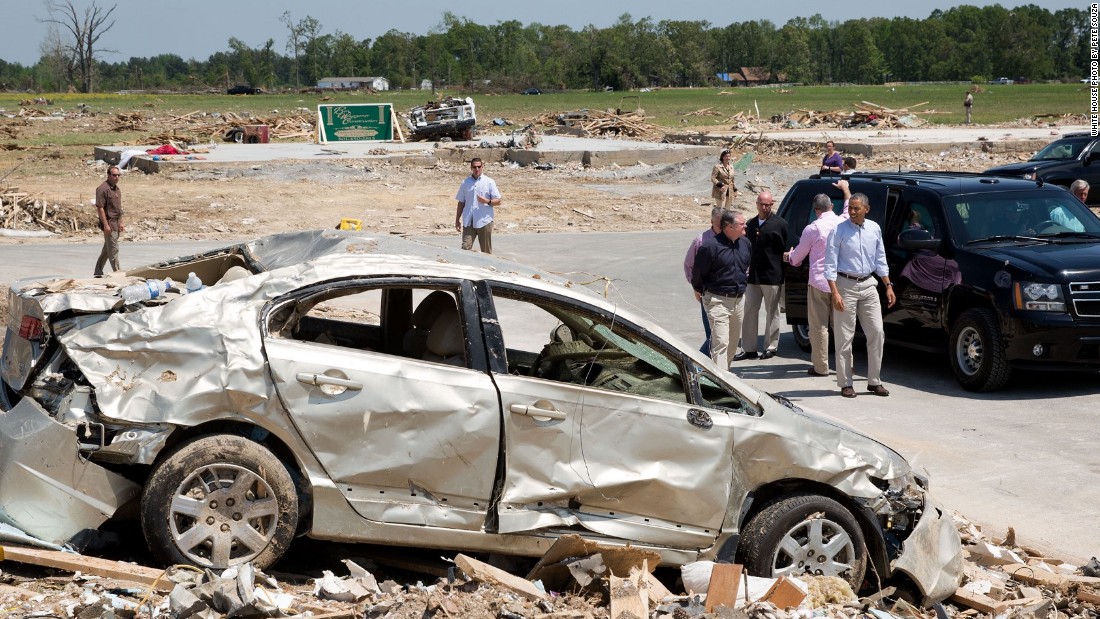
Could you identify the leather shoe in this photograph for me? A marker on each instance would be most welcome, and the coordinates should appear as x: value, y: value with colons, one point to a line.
x: 848, y: 392
x: 767, y: 354
x: 741, y: 356
x: 878, y: 390
x: 813, y: 372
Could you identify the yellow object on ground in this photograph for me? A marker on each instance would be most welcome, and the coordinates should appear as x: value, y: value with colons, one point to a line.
x: 350, y: 224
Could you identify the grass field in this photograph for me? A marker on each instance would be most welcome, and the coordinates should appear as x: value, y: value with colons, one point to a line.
x: 665, y: 107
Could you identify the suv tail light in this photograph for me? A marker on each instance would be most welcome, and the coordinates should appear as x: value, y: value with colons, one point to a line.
x: 30, y: 328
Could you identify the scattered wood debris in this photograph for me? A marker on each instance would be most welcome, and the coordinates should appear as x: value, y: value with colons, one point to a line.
x: 604, y: 123
x: 20, y: 210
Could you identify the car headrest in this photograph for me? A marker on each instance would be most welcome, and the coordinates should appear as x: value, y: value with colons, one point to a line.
x: 425, y: 314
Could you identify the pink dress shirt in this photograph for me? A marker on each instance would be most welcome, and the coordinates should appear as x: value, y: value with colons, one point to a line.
x: 814, y: 238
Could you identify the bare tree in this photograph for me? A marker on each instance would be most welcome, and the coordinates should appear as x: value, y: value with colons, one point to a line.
x: 57, y: 61
x: 83, y: 32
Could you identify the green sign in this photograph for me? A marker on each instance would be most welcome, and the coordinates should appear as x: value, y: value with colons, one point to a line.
x: 354, y: 122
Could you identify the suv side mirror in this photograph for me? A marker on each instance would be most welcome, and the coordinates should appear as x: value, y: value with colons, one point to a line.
x: 1093, y: 156
x: 918, y: 239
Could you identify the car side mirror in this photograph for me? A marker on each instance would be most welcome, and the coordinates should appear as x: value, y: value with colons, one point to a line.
x: 918, y: 239
x: 1093, y: 156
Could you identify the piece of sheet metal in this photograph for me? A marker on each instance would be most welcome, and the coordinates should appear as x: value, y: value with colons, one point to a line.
x: 46, y: 488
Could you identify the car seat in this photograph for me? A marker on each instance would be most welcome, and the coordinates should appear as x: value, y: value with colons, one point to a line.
x: 446, y: 342
x: 414, y: 343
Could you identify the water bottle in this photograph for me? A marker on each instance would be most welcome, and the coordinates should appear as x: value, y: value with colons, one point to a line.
x: 194, y: 284
x: 149, y: 289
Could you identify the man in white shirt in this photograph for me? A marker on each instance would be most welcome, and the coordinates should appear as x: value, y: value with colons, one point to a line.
x: 477, y: 195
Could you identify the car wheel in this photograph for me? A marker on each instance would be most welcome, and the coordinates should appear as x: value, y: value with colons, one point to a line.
x: 468, y: 133
x: 237, y: 136
x: 802, y: 337
x: 805, y: 534
x: 219, y: 501
x: 978, y: 353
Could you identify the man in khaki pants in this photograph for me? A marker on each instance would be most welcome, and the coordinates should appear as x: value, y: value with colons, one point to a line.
x: 854, y: 254
x: 720, y: 277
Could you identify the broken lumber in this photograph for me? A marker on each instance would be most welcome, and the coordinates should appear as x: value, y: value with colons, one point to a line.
x: 725, y: 579
x: 483, y: 572
x: 628, y: 600
x: 72, y: 562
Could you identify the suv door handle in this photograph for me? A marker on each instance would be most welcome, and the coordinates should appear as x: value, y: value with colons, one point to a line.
x: 537, y: 412
x: 325, y: 379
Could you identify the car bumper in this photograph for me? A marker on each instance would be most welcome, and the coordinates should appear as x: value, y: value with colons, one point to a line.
x: 932, y: 554
x: 1061, y: 343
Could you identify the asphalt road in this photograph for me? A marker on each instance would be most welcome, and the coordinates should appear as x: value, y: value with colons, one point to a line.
x: 1026, y: 457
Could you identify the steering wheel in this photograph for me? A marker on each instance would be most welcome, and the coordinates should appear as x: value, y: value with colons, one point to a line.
x: 1046, y: 223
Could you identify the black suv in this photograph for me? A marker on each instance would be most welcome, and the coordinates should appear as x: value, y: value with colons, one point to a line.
x: 1000, y: 272
x: 1074, y: 156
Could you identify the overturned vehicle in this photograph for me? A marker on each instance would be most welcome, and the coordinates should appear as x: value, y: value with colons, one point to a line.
x: 373, y: 389
x: 449, y: 117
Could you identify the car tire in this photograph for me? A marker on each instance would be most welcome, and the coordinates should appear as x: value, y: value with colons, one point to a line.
x: 219, y: 501
x: 978, y: 353
x: 802, y: 337
x: 804, y: 533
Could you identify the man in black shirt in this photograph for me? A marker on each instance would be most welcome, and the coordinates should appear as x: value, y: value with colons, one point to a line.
x: 720, y: 278
x: 768, y: 234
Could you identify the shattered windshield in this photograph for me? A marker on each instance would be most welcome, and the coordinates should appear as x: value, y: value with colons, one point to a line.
x: 1021, y: 215
x: 1061, y: 150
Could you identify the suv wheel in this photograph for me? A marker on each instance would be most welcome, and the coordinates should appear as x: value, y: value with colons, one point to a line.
x: 220, y: 501
x: 805, y: 534
x: 978, y: 353
x: 802, y: 337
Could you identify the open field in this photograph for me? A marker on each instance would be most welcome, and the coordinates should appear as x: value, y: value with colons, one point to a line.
x: 666, y: 107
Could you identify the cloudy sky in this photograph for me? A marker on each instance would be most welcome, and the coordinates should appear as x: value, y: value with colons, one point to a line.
x: 199, y: 28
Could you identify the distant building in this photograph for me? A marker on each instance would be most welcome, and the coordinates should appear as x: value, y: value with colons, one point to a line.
x: 425, y: 84
x: 354, y: 83
x: 750, y: 76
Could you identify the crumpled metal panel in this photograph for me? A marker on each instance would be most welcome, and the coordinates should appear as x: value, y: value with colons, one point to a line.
x: 46, y: 488
x: 932, y: 556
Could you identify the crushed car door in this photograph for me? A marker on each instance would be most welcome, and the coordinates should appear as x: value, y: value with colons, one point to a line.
x: 394, y: 403
x: 598, y: 429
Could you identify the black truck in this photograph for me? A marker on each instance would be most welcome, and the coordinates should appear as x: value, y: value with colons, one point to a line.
x: 1071, y: 157
x: 1001, y: 273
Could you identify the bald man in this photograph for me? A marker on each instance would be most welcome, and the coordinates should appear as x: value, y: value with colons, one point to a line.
x: 768, y: 234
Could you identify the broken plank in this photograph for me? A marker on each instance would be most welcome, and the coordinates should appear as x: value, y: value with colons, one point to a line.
x: 628, y: 600
x: 977, y: 601
x: 1033, y: 576
x: 588, y: 215
x: 725, y: 579
x: 1086, y: 595
x: 488, y: 574
x: 88, y: 565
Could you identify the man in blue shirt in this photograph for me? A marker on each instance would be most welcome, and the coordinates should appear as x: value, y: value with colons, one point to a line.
x: 853, y: 255
x: 720, y: 277
x: 477, y: 195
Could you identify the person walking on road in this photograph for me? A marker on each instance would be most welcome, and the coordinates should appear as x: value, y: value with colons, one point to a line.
x: 477, y: 195
x: 812, y: 245
x: 722, y: 181
x: 108, y: 205
x: 853, y: 255
x: 719, y: 277
x: 968, y: 103
x: 767, y: 232
x: 689, y: 264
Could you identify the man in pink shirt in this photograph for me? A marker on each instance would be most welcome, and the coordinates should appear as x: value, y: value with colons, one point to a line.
x: 818, y: 296
x: 689, y: 264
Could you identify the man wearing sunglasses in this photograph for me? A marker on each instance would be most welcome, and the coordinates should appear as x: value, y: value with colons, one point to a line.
x: 477, y: 195
x: 108, y: 204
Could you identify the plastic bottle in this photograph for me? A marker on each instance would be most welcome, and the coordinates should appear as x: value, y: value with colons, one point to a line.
x: 151, y: 289
x: 194, y: 284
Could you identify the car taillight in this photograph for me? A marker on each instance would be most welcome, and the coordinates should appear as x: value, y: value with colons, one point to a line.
x: 31, y: 328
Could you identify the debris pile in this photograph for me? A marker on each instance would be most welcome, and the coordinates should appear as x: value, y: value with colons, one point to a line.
x: 23, y: 211
x: 197, y: 127
x: 575, y: 579
x: 615, y: 123
x: 865, y: 114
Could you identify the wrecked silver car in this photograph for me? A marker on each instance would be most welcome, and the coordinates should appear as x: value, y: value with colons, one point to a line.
x: 372, y: 389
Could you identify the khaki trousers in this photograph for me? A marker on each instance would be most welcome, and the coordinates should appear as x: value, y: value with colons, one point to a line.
x: 484, y: 236
x: 860, y: 303
x: 109, y: 251
x: 754, y: 296
x: 819, y: 308
x: 725, y: 315
x: 725, y: 200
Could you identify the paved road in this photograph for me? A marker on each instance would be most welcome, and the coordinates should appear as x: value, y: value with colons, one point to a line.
x: 1026, y: 457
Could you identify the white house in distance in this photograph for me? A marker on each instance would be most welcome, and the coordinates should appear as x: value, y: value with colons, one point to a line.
x: 354, y: 83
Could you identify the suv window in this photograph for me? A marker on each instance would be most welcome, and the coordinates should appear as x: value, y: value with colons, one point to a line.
x: 1069, y: 148
x: 980, y: 216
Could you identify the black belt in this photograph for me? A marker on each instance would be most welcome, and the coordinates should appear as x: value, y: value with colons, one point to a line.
x: 853, y: 277
x: 736, y: 295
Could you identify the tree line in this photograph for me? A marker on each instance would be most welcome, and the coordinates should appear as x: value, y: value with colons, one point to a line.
x: 961, y: 43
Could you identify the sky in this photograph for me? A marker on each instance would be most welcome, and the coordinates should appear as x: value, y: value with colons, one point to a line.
x: 198, y: 28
